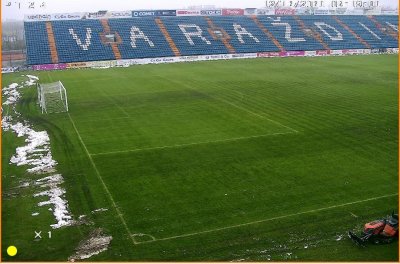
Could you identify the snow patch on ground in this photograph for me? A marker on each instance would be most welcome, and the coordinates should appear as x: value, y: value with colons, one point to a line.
x: 32, y: 80
x: 339, y: 237
x: 24, y: 185
x: 12, y: 94
x: 99, y: 210
x: 32, y: 77
x: 238, y: 260
x: 60, y: 206
x: 36, y: 155
x: 96, y: 243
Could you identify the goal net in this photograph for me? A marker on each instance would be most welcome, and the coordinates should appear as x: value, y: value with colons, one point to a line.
x: 52, y: 97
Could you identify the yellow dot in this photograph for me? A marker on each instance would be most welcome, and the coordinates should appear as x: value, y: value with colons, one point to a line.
x: 12, y: 251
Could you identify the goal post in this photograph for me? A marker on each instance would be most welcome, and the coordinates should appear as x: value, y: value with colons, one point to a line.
x: 52, y: 97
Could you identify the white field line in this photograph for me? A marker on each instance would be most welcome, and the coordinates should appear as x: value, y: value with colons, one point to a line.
x: 103, y: 183
x: 353, y: 215
x: 191, y: 144
x: 232, y: 104
x: 269, y: 219
x: 144, y: 235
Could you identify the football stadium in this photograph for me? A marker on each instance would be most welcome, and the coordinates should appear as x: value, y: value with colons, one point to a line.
x: 203, y: 134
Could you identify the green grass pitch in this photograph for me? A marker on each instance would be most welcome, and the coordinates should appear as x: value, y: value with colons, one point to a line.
x: 263, y: 159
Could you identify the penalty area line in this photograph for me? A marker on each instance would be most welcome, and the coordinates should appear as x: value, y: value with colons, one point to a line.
x: 269, y: 219
x: 191, y: 144
x: 103, y: 183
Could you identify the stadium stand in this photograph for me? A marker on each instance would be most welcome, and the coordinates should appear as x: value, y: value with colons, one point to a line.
x: 245, y: 34
x: 37, y: 45
x: 149, y: 41
x: 369, y: 31
x: 192, y: 37
x: 78, y: 40
x: 290, y: 34
x: 153, y: 37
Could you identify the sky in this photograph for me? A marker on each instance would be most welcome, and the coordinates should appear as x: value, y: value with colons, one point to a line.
x: 16, y: 9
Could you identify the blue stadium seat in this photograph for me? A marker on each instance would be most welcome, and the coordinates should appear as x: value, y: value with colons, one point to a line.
x: 333, y: 34
x: 80, y: 40
x: 369, y: 31
x: 37, y: 44
x: 68, y: 48
x: 246, y: 43
x: 155, y: 46
x: 279, y: 26
x: 201, y: 46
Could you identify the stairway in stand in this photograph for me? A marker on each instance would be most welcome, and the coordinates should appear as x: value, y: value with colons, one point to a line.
x: 170, y: 41
x: 314, y: 33
x: 225, y: 39
x: 384, y: 30
x: 52, y: 42
x: 269, y: 34
x: 352, y: 32
x: 114, y: 46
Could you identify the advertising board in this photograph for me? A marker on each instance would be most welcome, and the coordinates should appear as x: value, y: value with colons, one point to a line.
x: 77, y: 16
x: 285, y: 12
x: 188, y: 12
x: 37, y: 17
x: 250, y: 11
x: 76, y: 65
x: 295, y: 53
x: 323, y: 52
x: 119, y: 14
x: 66, y: 16
x: 304, y: 11
x: 153, y: 13
x: 310, y: 53
x: 166, y: 12
x: 233, y: 12
x: 373, y: 12
x: 390, y: 12
x: 244, y: 56
x: 350, y: 51
x: 265, y: 12
x: 49, y: 67
x: 321, y: 12
x: 211, y: 12
x: 336, y: 52
x: 268, y: 54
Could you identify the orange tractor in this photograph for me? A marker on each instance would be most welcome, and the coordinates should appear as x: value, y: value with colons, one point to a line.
x: 378, y: 232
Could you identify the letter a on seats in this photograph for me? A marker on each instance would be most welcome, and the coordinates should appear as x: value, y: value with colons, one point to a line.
x: 321, y: 26
x: 288, y: 32
x: 189, y: 35
x: 136, y: 33
x: 393, y: 26
x: 241, y: 31
x: 369, y: 30
x: 79, y: 41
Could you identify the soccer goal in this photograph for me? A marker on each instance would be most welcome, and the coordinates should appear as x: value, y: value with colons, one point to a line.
x: 52, y: 97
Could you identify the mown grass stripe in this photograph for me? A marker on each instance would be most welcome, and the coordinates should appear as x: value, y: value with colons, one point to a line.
x: 189, y: 144
x: 270, y: 219
x: 103, y: 183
